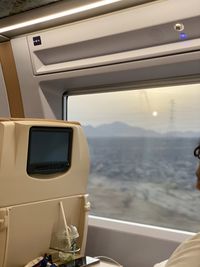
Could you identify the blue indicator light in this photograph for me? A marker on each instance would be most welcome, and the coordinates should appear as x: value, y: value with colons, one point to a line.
x: 183, y: 36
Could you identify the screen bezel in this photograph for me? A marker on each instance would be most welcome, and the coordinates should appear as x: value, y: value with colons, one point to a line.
x: 31, y: 170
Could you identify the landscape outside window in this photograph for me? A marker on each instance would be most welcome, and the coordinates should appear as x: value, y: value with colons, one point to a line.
x: 141, y: 146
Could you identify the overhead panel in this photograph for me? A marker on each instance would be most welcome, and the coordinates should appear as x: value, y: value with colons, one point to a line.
x: 105, y: 40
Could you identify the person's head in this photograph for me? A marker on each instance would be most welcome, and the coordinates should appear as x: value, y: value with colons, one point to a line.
x: 197, y: 154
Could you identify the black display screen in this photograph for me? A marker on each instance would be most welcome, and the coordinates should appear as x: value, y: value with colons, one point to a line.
x: 49, y: 150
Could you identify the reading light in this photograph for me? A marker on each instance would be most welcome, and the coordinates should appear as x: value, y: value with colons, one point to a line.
x: 179, y: 27
x: 58, y: 15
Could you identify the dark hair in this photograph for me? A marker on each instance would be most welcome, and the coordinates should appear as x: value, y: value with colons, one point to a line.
x: 197, y: 152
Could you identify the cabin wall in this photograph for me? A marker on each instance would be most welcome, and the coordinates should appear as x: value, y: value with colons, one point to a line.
x: 131, y: 244
x: 29, y: 86
x: 10, y: 96
x: 143, y: 53
x: 41, y: 97
x: 128, y: 249
x: 45, y: 91
x: 4, y: 106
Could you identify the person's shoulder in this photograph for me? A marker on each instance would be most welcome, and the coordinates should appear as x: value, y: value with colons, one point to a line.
x: 187, y: 254
x: 161, y: 264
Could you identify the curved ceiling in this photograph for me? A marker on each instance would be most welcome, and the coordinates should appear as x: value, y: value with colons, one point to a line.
x: 19, y: 11
x: 12, y: 7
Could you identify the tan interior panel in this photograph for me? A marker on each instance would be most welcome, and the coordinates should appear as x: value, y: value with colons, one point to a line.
x: 11, y: 80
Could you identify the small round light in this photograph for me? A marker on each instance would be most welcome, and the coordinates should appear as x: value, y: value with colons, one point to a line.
x: 154, y: 113
x: 183, y: 36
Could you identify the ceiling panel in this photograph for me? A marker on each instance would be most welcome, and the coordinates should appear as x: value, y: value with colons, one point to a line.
x: 12, y: 7
x: 14, y: 12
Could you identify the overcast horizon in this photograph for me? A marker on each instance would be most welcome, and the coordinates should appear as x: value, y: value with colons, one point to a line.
x: 160, y: 109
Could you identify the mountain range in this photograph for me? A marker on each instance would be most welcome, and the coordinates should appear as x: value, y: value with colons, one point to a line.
x: 121, y: 129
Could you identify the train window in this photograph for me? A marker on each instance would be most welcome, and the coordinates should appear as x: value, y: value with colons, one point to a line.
x: 141, y: 144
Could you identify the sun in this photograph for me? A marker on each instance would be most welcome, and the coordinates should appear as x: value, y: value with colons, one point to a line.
x: 154, y: 113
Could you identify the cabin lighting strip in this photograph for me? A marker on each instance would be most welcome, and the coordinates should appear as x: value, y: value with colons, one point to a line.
x: 58, y: 15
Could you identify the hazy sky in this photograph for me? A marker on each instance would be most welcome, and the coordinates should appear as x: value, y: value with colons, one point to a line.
x: 160, y: 109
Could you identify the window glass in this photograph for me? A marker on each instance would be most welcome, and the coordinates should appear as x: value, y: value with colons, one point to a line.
x: 141, y: 145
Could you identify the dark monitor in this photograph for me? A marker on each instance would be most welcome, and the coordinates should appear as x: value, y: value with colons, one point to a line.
x: 49, y: 150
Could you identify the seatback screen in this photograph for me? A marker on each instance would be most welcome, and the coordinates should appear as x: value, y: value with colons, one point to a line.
x: 49, y: 150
